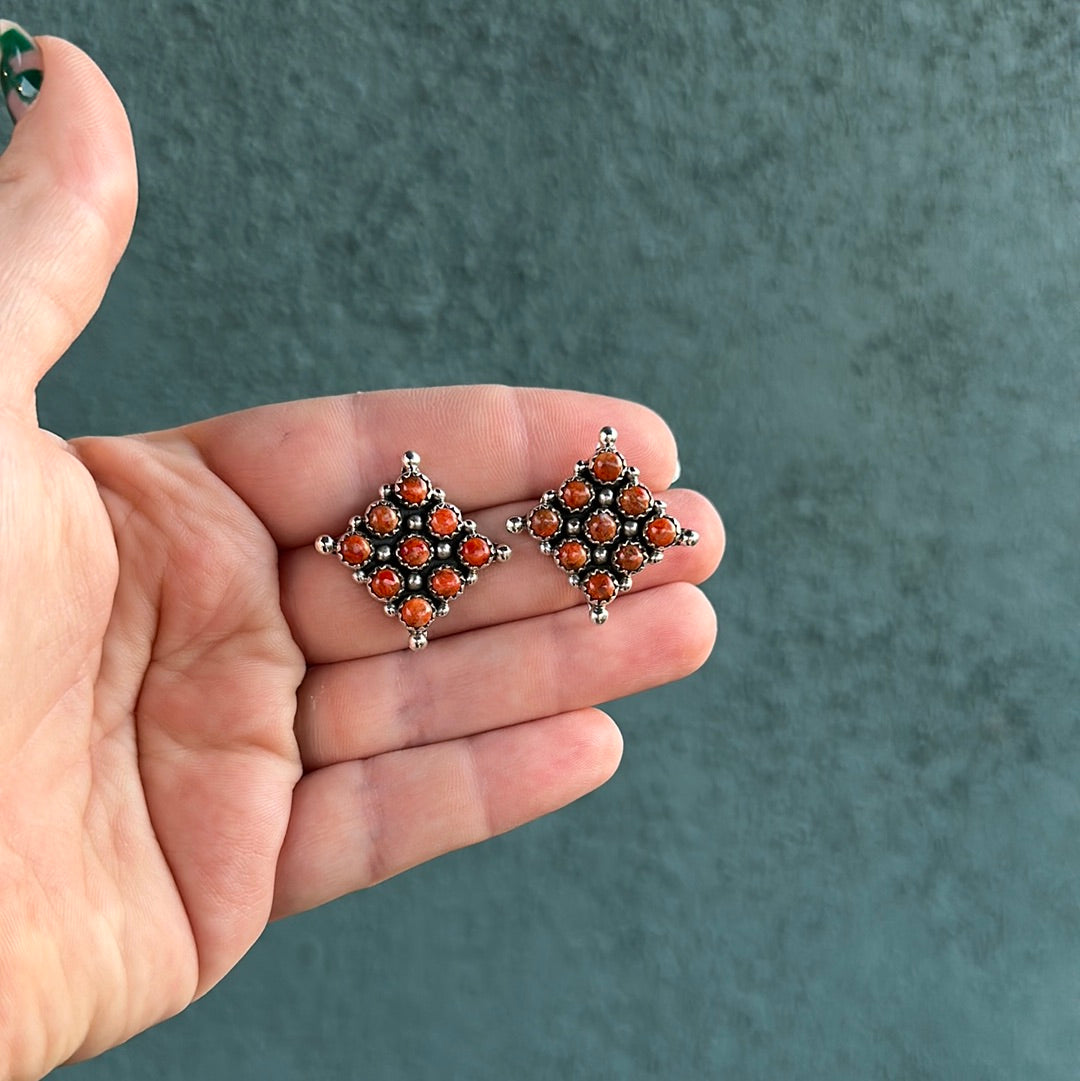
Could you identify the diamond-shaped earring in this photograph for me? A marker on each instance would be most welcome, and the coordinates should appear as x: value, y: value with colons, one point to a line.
x: 413, y: 550
x: 602, y: 526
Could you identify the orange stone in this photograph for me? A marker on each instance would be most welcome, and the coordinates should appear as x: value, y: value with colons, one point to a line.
x: 417, y: 612
x: 354, y: 549
x: 602, y: 527
x: 385, y: 583
x: 445, y: 583
x: 444, y: 521
x: 600, y: 586
x: 572, y: 555
x: 629, y: 558
x: 383, y: 518
x: 661, y: 532
x: 414, y: 551
x: 475, y: 551
x: 413, y: 489
x: 544, y: 522
x: 635, y: 500
x: 607, y: 466
x: 575, y: 494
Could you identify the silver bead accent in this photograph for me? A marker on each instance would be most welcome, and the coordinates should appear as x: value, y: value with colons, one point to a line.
x: 356, y: 523
x: 630, y: 528
x: 417, y: 641
x: 471, y: 577
x: 546, y: 548
x: 656, y: 557
x: 660, y: 507
x: 549, y: 496
x: 608, y: 435
x: 469, y: 525
x: 443, y: 550
x: 607, y: 497
x: 415, y: 581
x: 382, y: 553
x: 442, y: 609
x: 515, y: 525
x: 573, y: 527
x: 689, y: 538
x: 574, y: 580
x: 599, y: 615
x: 386, y: 491
x: 410, y: 458
x: 391, y: 609
x: 502, y: 552
x: 438, y: 494
x: 325, y: 545
x: 633, y: 473
x: 625, y: 583
x: 415, y: 522
x: 362, y: 577
x: 582, y: 467
x: 600, y: 555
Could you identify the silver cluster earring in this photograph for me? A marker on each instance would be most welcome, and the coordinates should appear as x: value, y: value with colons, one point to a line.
x: 414, y: 551
x: 602, y: 526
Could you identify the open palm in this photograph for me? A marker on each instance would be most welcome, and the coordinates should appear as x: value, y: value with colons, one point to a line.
x: 209, y: 725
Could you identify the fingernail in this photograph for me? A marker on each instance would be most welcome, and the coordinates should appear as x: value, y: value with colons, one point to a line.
x: 20, y: 69
x: 678, y: 472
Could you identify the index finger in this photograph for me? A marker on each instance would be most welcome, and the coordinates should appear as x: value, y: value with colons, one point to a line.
x: 305, y: 467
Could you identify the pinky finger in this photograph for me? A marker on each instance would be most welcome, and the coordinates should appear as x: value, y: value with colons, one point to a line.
x: 354, y: 824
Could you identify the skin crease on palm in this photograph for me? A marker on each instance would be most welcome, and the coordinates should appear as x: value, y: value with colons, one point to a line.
x: 202, y: 729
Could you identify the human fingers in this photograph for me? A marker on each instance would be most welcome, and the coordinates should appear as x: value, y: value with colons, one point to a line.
x: 356, y: 823
x: 335, y: 619
x: 499, y: 676
x: 305, y: 467
x: 67, y: 200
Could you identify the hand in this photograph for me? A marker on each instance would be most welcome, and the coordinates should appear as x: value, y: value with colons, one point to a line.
x: 208, y: 725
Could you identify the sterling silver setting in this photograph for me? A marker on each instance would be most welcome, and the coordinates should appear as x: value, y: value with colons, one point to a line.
x: 415, y: 552
x: 602, y: 526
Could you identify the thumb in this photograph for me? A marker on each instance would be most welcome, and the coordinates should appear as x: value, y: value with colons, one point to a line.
x: 68, y: 189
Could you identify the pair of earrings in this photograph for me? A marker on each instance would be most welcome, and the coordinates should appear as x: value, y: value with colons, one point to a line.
x: 416, y: 552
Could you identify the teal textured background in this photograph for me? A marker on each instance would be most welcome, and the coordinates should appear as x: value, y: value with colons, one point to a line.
x: 837, y: 244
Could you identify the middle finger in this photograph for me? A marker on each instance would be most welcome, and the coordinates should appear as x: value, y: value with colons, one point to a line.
x: 500, y: 676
